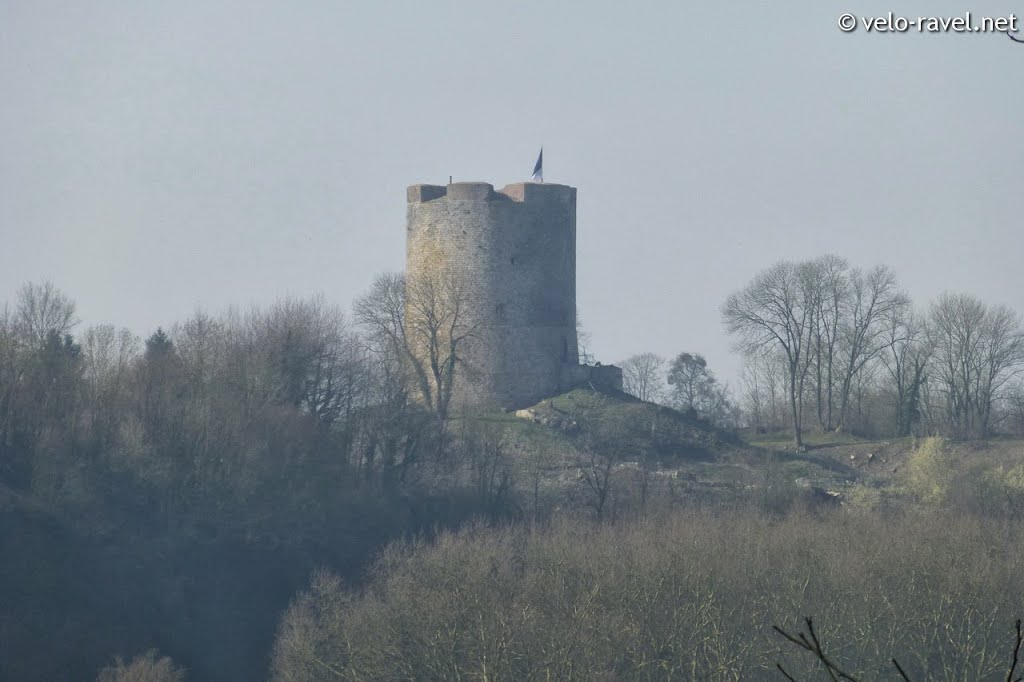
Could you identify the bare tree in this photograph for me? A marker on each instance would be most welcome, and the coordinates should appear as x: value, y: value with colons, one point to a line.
x: 426, y: 322
x: 874, y: 297
x: 583, y: 339
x: 642, y: 377
x: 763, y: 378
x: 484, y: 449
x: 776, y: 311
x: 108, y: 357
x: 977, y: 351
x: 596, y: 471
x: 11, y: 372
x: 905, y: 358
x: 314, y: 356
x: 43, y: 309
x: 832, y: 284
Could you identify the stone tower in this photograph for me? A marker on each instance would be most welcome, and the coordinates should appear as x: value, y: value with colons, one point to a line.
x: 515, y: 249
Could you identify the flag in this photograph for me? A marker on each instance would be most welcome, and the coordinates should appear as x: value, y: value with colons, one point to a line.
x: 538, y: 170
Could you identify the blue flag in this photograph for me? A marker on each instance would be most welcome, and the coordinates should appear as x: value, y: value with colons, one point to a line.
x: 538, y: 170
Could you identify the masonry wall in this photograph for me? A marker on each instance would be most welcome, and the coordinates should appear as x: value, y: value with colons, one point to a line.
x: 516, y: 250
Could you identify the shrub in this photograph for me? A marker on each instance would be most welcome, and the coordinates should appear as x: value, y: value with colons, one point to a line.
x: 999, y: 491
x: 147, y: 667
x: 930, y: 470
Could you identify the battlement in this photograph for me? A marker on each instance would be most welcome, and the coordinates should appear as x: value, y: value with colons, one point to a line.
x: 484, y: 191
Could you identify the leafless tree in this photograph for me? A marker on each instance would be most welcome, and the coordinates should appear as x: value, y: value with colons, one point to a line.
x: 108, y: 357
x: 978, y: 349
x: 314, y: 356
x: 43, y: 309
x: 874, y: 297
x: 643, y: 378
x: 426, y: 322
x: 583, y: 339
x: 486, y: 458
x: 832, y: 284
x: 905, y: 359
x: 596, y: 471
x: 776, y: 311
x: 763, y: 379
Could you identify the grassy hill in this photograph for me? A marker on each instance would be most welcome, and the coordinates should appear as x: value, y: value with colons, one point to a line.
x: 618, y: 424
x: 657, y: 451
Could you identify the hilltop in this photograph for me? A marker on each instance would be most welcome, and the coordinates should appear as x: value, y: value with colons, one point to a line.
x: 651, y: 450
x: 615, y: 423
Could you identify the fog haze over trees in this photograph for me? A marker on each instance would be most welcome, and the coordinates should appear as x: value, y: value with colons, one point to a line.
x: 800, y: 244
x: 297, y: 435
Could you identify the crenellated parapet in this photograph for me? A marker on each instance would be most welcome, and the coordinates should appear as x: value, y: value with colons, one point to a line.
x: 484, y: 191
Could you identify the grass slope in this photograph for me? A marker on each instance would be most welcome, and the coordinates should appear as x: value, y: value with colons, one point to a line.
x: 614, y: 423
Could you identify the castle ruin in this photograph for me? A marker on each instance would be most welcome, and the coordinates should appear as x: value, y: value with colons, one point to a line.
x: 515, y: 249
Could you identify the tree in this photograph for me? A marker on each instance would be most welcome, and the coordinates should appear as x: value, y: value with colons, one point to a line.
x: 978, y: 350
x: 596, y: 471
x: 775, y: 312
x: 485, y: 452
x: 696, y: 390
x: 108, y: 357
x: 314, y: 356
x: 874, y: 297
x: 583, y: 339
x: 424, y: 321
x: 832, y: 292
x: 690, y: 380
x: 43, y: 309
x: 11, y: 379
x: 310, y: 643
x: 764, y: 378
x: 642, y: 377
x: 905, y: 358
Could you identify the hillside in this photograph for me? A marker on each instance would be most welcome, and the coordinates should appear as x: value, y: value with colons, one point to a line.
x: 618, y: 424
x: 655, y: 451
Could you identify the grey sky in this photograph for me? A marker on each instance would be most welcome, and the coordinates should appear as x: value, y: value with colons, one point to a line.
x: 162, y: 157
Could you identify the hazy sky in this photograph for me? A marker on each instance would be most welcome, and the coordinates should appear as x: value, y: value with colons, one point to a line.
x: 163, y: 157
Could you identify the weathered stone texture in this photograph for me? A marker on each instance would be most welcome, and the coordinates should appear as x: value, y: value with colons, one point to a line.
x: 516, y: 250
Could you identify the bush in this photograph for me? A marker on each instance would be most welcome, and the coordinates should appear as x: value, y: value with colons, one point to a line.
x: 1000, y: 491
x: 930, y: 470
x: 147, y: 667
x: 862, y: 498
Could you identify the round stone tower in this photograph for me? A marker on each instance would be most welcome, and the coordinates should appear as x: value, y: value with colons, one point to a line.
x: 514, y: 250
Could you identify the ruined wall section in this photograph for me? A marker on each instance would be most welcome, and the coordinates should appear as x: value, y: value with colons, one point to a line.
x: 516, y: 250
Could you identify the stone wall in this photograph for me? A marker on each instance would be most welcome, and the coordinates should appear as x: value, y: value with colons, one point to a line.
x: 516, y: 251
